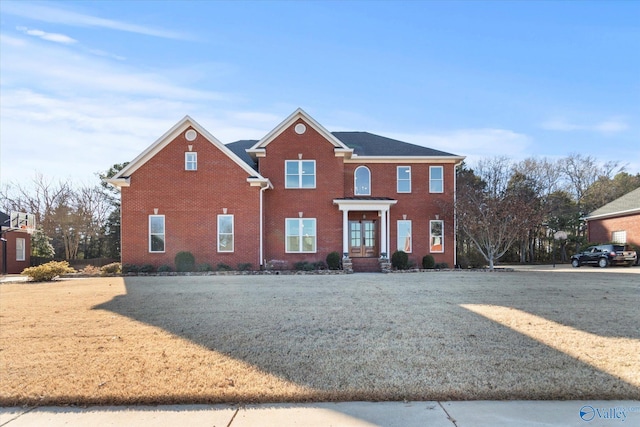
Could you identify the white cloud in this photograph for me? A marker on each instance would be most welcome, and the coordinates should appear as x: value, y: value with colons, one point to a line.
x: 49, y: 14
x: 52, y: 37
x: 607, y: 126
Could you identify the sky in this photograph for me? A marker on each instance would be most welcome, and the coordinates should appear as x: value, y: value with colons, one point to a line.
x: 86, y: 84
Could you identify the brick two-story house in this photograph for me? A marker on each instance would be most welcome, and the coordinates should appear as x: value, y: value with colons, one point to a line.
x: 297, y: 194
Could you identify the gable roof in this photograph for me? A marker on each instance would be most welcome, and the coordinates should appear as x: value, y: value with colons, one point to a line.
x: 260, y: 146
x: 239, y: 148
x: 625, y: 205
x: 369, y: 144
x: 122, y: 177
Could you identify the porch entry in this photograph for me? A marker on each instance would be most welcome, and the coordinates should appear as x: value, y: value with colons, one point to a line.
x: 363, y: 238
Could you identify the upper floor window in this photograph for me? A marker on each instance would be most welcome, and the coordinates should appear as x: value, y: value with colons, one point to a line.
x: 362, y: 181
x: 156, y: 233
x: 225, y: 233
x: 190, y: 161
x: 21, y: 245
x: 436, y: 179
x: 301, y: 234
x: 404, y: 179
x: 300, y: 173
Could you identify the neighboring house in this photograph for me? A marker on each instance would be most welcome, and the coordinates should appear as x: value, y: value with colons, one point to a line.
x: 617, y: 221
x: 297, y: 194
x: 15, y: 250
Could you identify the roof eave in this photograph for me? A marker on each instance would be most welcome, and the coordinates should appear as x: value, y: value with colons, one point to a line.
x: 613, y: 214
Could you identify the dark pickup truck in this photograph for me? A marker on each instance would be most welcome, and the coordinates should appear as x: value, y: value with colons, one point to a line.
x: 605, y: 255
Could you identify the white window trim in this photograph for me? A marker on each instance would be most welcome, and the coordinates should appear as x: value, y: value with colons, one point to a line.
x: 164, y: 234
x: 441, y: 236
x: 22, y: 255
x: 300, y: 187
x: 403, y: 246
x: 300, y: 236
x: 195, y: 161
x: 619, y: 236
x: 355, y: 183
x: 431, y: 180
x: 233, y: 237
x: 398, y: 180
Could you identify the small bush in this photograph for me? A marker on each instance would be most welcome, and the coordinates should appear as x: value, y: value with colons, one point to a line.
x: 111, y: 269
x: 47, y: 272
x: 428, y: 261
x: 244, y: 266
x: 223, y: 267
x: 165, y: 269
x: 146, y: 268
x: 319, y: 265
x: 185, y: 261
x: 400, y: 260
x: 304, y: 266
x: 129, y: 268
x: 441, y: 265
x: 205, y: 267
x: 90, y: 270
x: 333, y: 261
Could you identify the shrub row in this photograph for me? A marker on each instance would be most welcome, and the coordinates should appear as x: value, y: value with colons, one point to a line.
x: 400, y: 261
x: 47, y: 272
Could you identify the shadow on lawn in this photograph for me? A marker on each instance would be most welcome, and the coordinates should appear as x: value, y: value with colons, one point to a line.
x: 394, y: 337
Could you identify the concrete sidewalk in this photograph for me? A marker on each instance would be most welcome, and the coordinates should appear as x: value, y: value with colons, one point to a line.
x: 405, y: 414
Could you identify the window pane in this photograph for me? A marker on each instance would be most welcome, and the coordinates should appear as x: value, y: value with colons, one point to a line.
x: 362, y: 181
x: 157, y: 224
x: 308, y: 181
x: 225, y: 243
x: 292, y: 181
x: 157, y: 243
x: 292, y: 167
x: 404, y: 236
x: 404, y: 179
x: 308, y: 168
x: 436, y: 239
x: 293, y: 244
x: 225, y: 224
x: 309, y: 244
x: 436, y: 179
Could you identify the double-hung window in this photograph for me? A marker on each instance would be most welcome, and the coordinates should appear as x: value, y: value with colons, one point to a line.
x: 404, y: 179
x: 156, y: 233
x: 225, y: 233
x: 300, y: 234
x: 21, y: 245
x: 436, y: 236
x: 404, y: 236
x: 190, y: 161
x: 300, y: 173
x: 436, y: 179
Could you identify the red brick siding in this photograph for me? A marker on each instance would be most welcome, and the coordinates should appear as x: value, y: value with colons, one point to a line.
x: 13, y: 265
x: 420, y: 206
x: 282, y: 203
x: 600, y: 229
x: 191, y: 202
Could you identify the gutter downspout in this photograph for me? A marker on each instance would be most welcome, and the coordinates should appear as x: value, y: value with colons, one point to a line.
x: 455, y: 221
x: 261, y: 254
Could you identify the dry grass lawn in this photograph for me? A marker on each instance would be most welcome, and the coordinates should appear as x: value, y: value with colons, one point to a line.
x: 423, y: 336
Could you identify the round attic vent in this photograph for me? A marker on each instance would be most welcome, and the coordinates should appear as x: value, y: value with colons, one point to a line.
x: 300, y: 128
x: 190, y: 135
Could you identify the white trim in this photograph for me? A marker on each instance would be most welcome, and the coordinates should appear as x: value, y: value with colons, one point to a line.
x: 300, y: 175
x: 613, y: 214
x: 441, y: 236
x: 404, y: 159
x: 410, y: 236
x: 187, y: 154
x: 300, y: 236
x: 22, y: 256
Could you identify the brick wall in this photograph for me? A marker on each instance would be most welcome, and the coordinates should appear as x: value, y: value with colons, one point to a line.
x: 190, y: 201
x: 13, y: 265
x: 600, y: 230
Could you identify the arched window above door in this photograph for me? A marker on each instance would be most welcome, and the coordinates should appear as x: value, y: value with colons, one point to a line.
x: 362, y: 181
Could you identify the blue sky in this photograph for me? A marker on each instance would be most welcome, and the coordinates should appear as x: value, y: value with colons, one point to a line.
x: 84, y: 85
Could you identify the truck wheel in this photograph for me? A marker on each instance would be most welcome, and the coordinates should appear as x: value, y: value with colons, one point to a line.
x: 603, y: 262
x: 575, y: 263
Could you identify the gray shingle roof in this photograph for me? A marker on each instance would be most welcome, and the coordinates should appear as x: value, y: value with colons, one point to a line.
x: 369, y: 144
x: 628, y: 202
x: 362, y: 143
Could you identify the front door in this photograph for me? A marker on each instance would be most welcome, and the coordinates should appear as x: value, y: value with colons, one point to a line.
x: 362, y: 239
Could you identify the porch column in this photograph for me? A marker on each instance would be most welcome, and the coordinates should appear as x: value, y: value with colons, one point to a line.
x: 383, y: 232
x: 345, y: 232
